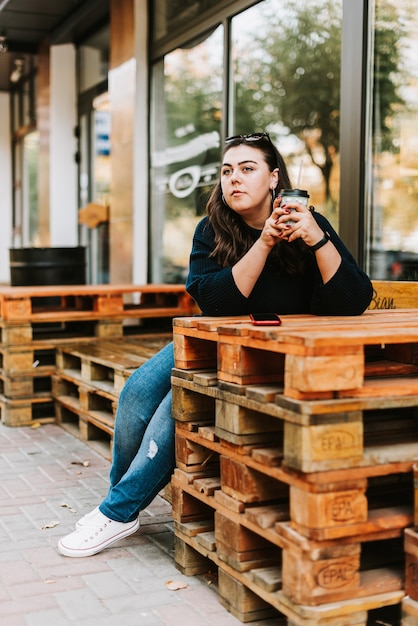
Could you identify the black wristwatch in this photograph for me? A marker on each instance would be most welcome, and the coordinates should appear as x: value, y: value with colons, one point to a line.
x: 320, y: 243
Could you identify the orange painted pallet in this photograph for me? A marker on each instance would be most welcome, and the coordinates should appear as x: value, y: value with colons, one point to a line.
x: 371, y: 355
x: 359, y: 436
x: 338, y: 505
x: 296, y: 576
x: 89, y: 379
x: 38, y: 408
x: 93, y: 427
x: 300, y: 436
x: 76, y: 302
x: 314, y: 358
x: 107, y: 364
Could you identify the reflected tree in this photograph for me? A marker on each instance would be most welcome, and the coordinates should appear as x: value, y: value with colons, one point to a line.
x: 291, y: 75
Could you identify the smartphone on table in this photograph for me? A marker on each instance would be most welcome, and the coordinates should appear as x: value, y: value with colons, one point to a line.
x: 265, y: 319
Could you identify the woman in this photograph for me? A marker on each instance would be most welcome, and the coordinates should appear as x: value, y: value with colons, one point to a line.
x: 246, y: 258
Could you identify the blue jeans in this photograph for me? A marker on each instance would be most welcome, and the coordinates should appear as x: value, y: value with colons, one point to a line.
x: 143, y: 450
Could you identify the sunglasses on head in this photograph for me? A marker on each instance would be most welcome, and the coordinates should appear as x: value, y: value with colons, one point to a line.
x: 249, y: 138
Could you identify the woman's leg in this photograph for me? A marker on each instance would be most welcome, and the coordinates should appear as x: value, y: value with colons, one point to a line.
x: 149, y: 470
x: 138, y: 401
x: 143, y: 459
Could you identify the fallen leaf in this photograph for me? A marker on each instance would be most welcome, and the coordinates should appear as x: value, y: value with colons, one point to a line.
x: 67, y: 506
x: 83, y: 463
x: 49, y: 525
x: 36, y: 425
x: 174, y: 585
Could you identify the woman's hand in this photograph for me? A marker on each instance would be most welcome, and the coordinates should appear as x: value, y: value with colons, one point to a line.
x: 293, y: 221
x: 304, y: 226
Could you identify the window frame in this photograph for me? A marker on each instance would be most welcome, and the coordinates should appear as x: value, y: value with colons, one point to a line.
x: 355, y: 90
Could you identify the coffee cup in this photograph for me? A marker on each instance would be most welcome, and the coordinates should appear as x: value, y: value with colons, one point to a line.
x: 294, y: 195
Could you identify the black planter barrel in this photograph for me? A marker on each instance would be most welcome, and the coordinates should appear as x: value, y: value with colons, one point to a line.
x: 47, y: 266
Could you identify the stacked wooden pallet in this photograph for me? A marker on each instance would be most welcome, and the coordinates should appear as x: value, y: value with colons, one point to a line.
x: 295, y: 449
x: 36, y: 321
x: 89, y: 379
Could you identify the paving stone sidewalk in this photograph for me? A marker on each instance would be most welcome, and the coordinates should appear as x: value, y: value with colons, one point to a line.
x: 48, y: 480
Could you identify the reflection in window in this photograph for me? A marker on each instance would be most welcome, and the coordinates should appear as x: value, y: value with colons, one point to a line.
x: 93, y: 59
x: 286, y: 79
x: 393, y: 159
x: 30, y: 188
x: 95, y: 182
x: 174, y: 15
x: 185, y: 148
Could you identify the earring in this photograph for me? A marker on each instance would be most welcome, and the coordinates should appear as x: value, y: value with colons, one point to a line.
x: 273, y: 195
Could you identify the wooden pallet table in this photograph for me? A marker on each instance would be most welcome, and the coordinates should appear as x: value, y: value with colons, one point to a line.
x: 319, y: 358
x: 310, y: 436
x: 409, y: 612
x: 322, y: 506
x: 233, y: 543
x: 237, y: 499
x: 295, y: 451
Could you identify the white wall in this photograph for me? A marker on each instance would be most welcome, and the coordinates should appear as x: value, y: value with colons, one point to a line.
x: 140, y: 191
x: 63, y: 168
x: 5, y: 188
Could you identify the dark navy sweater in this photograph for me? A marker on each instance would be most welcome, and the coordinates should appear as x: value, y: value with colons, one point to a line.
x: 349, y: 291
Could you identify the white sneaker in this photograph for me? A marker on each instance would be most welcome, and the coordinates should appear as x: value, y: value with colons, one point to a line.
x: 83, y: 520
x: 98, y: 533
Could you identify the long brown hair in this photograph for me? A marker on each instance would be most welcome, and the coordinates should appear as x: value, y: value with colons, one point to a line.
x: 233, y: 237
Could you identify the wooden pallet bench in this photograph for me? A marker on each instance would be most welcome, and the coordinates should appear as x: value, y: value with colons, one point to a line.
x: 95, y: 426
x: 21, y: 359
x: 37, y: 321
x: 88, y: 382
x: 27, y: 411
x: 26, y: 383
x: 108, y: 363
x: 25, y: 361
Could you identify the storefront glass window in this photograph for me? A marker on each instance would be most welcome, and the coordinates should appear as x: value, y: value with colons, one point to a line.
x: 94, y: 182
x: 173, y: 15
x: 30, y: 187
x: 93, y: 60
x: 286, y: 79
x: 393, y: 147
x: 25, y: 148
x: 185, y: 145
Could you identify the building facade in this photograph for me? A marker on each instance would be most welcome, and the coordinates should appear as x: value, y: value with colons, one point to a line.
x: 111, y: 138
